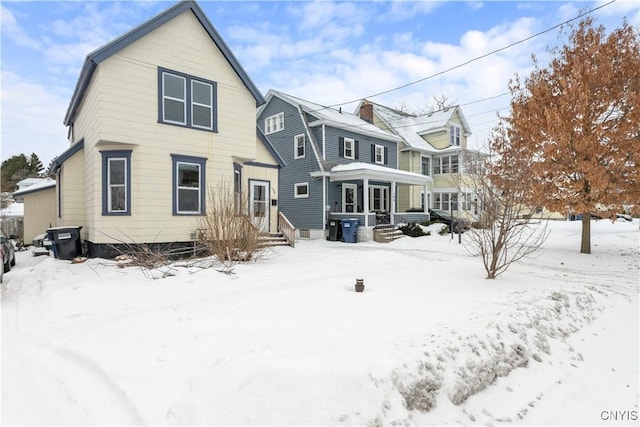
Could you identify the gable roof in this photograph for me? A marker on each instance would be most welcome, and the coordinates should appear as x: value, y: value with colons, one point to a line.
x: 412, y: 127
x: 94, y: 58
x: 276, y: 156
x: 332, y: 117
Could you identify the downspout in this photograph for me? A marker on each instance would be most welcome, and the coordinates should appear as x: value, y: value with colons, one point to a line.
x: 324, y: 143
x: 324, y: 204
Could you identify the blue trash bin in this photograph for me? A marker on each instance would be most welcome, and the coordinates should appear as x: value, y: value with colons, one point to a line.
x: 350, y: 230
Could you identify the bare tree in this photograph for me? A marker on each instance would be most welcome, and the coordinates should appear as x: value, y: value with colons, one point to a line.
x: 505, y: 232
x: 226, y: 231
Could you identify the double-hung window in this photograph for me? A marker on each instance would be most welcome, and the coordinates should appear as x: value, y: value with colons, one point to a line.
x: 348, y: 148
x: 116, y: 182
x: 454, y: 135
x: 298, y: 146
x: 188, y: 184
x: 185, y: 100
x: 379, y: 156
x: 274, y: 123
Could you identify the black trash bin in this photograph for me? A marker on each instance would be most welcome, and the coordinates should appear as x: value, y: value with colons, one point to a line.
x: 65, y: 242
x: 335, y: 230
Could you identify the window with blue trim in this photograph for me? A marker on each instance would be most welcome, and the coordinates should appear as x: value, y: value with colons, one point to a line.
x: 185, y: 100
x: 116, y: 182
x: 188, y: 184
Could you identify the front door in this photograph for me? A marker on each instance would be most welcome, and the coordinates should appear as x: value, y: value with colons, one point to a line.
x: 378, y: 198
x: 259, y: 204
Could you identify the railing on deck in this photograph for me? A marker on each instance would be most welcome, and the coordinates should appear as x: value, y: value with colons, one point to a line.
x: 287, y: 229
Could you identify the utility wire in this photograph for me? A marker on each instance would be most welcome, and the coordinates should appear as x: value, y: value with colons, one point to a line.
x: 476, y: 58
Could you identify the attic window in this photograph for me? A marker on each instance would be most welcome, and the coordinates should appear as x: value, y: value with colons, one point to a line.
x: 185, y: 100
x: 274, y: 123
x: 454, y: 135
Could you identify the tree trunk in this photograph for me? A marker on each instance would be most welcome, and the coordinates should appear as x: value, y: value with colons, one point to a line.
x: 585, y: 246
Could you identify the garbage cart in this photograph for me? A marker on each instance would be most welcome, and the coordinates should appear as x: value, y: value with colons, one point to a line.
x: 65, y: 242
x: 350, y: 230
x: 335, y: 231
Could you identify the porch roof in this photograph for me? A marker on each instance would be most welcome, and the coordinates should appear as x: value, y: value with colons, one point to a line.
x: 359, y: 170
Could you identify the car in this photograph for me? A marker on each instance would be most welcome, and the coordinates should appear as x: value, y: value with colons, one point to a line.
x: 460, y: 225
x: 8, y: 252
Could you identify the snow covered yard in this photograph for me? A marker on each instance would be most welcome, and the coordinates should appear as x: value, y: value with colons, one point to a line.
x: 287, y: 341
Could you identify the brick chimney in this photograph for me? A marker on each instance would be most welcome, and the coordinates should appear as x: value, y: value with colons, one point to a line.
x: 366, y: 111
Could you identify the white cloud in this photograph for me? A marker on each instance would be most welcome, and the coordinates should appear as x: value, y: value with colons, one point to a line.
x: 11, y: 29
x: 31, y: 119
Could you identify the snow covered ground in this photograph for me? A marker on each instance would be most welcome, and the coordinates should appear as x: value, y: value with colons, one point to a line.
x: 287, y: 341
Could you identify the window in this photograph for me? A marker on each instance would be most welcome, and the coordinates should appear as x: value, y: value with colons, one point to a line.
x: 274, y: 123
x: 454, y: 135
x: 298, y: 146
x: 188, y: 184
x: 116, y: 182
x: 237, y: 187
x: 379, y: 154
x: 187, y: 101
x: 446, y: 201
x: 426, y: 170
x: 448, y: 164
x: 348, y: 148
x: 301, y: 190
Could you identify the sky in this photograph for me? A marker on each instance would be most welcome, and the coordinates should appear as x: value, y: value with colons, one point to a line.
x: 286, y: 341
x: 331, y: 53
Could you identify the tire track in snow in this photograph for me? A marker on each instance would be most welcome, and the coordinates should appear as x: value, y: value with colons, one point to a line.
x: 85, y: 384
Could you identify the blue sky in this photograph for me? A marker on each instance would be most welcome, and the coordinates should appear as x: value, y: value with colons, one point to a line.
x: 326, y: 52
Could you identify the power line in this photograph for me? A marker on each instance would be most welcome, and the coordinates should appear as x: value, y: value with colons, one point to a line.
x: 476, y: 58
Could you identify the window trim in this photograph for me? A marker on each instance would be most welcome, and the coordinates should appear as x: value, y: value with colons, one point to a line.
x: 237, y: 192
x: 278, y: 122
x: 379, y: 150
x: 300, y: 185
x: 108, y: 155
x: 352, y: 144
x: 188, y: 101
x: 296, y: 140
x: 177, y: 159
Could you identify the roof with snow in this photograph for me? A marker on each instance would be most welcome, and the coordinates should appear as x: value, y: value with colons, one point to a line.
x: 42, y: 184
x: 360, y: 170
x: 412, y: 127
x: 13, y: 210
x: 336, y: 118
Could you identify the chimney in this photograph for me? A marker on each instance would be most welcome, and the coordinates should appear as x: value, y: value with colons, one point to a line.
x: 366, y: 111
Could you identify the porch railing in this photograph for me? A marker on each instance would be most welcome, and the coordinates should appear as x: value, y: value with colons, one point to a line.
x: 287, y: 229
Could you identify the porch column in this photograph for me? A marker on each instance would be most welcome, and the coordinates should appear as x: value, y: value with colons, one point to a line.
x: 424, y: 196
x: 392, y: 216
x: 365, y: 200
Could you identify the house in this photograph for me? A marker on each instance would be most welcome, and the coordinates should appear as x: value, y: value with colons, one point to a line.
x: 37, y: 196
x: 159, y: 118
x: 337, y: 166
x: 432, y: 144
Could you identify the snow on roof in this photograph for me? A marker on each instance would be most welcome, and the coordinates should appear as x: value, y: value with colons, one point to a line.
x: 13, y: 210
x: 378, y: 171
x: 337, y: 118
x: 411, y: 127
x: 43, y: 183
